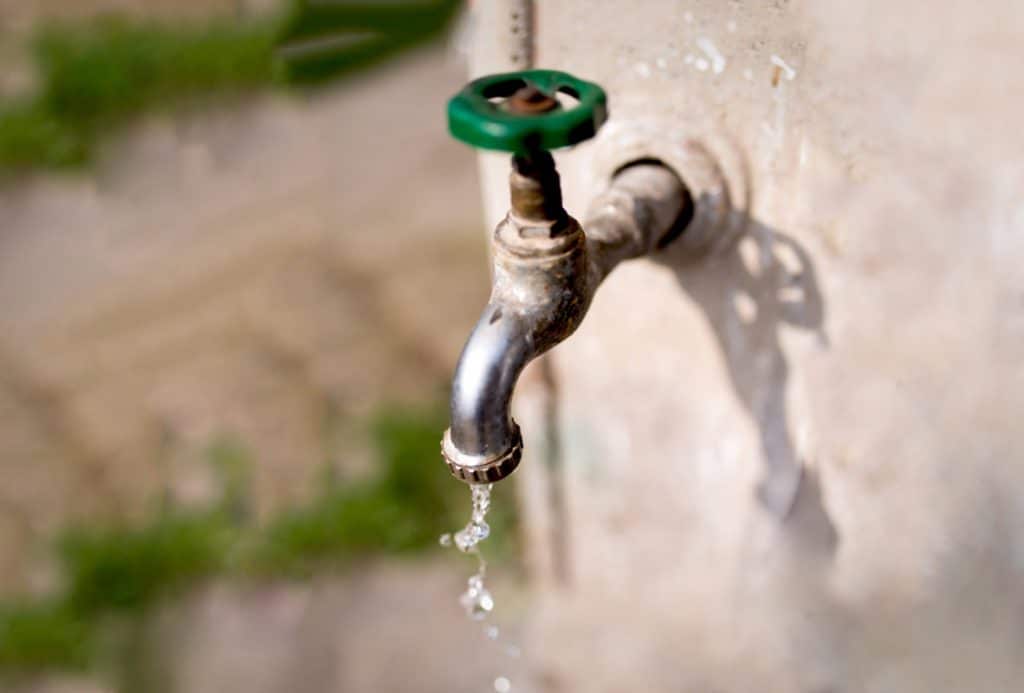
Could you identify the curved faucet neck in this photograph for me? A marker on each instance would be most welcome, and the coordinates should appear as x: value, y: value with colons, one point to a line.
x: 546, y: 271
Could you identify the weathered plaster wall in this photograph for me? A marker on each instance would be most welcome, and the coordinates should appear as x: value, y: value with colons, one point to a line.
x: 867, y: 328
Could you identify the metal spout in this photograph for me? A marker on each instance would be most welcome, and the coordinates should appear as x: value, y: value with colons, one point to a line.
x: 546, y: 271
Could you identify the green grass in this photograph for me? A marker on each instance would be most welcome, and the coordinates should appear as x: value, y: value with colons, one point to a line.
x: 403, y: 508
x: 121, y: 571
x: 44, y: 635
x: 126, y: 568
x: 384, y: 29
x: 97, y: 74
x: 31, y: 137
x: 102, y: 71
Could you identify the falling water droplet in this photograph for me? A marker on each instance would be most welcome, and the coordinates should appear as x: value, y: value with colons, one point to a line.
x: 491, y: 632
x: 477, y: 599
x: 445, y: 539
x: 502, y: 685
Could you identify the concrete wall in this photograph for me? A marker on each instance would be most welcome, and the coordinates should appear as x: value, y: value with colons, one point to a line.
x: 793, y: 463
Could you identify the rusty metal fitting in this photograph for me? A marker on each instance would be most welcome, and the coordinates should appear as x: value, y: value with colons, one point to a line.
x: 535, y: 189
x: 518, y: 239
x: 530, y: 100
x: 479, y: 469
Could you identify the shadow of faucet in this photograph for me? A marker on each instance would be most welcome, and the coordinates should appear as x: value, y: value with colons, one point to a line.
x: 747, y: 289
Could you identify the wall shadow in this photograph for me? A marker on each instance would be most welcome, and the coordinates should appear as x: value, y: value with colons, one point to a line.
x: 748, y: 289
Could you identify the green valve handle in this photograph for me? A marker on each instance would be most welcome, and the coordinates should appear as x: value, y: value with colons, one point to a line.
x: 518, y: 112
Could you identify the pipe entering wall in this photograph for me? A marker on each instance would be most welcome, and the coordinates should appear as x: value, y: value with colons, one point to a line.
x: 645, y: 208
x: 685, y: 211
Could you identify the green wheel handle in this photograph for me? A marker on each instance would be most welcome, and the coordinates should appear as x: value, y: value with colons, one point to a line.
x: 518, y: 112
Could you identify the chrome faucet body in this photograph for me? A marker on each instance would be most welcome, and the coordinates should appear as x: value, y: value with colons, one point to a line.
x: 545, y: 274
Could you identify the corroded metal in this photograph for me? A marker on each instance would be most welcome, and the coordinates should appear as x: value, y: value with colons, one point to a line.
x: 536, y: 192
x: 530, y: 100
x: 546, y: 271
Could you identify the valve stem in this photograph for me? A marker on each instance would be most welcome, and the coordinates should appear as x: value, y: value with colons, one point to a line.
x: 534, y: 186
x: 535, y: 190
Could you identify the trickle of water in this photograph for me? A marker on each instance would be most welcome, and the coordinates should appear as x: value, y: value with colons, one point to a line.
x: 477, y: 530
x: 474, y: 533
x: 477, y: 599
x: 481, y: 501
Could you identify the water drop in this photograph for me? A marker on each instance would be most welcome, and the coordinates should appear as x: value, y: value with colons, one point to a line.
x: 464, y: 540
x: 472, y: 534
x: 477, y: 600
x: 480, y: 530
x: 502, y: 685
x: 445, y: 539
x: 491, y: 632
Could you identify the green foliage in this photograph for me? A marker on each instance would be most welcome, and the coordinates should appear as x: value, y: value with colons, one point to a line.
x: 44, y: 635
x: 123, y: 570
x: 31, y: 136
x: 405, y: 507
x: 129, y: 568
x: 413, y: 476
x: 337, y: 526
x: 97, y: 74
x: 325, y: 40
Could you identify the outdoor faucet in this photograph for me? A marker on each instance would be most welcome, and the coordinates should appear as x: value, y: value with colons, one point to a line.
x: 546, y: 267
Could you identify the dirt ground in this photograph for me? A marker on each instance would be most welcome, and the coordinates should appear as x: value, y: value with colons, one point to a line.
x: 257, y: 271
x: 252, y: 272
x: 390, y: 627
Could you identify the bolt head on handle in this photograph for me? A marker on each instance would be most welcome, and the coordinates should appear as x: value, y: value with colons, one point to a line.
x: 517, y: 112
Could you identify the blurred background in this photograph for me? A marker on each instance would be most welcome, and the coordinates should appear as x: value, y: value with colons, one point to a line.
x: 224, y: 348
x: 239, y: 255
